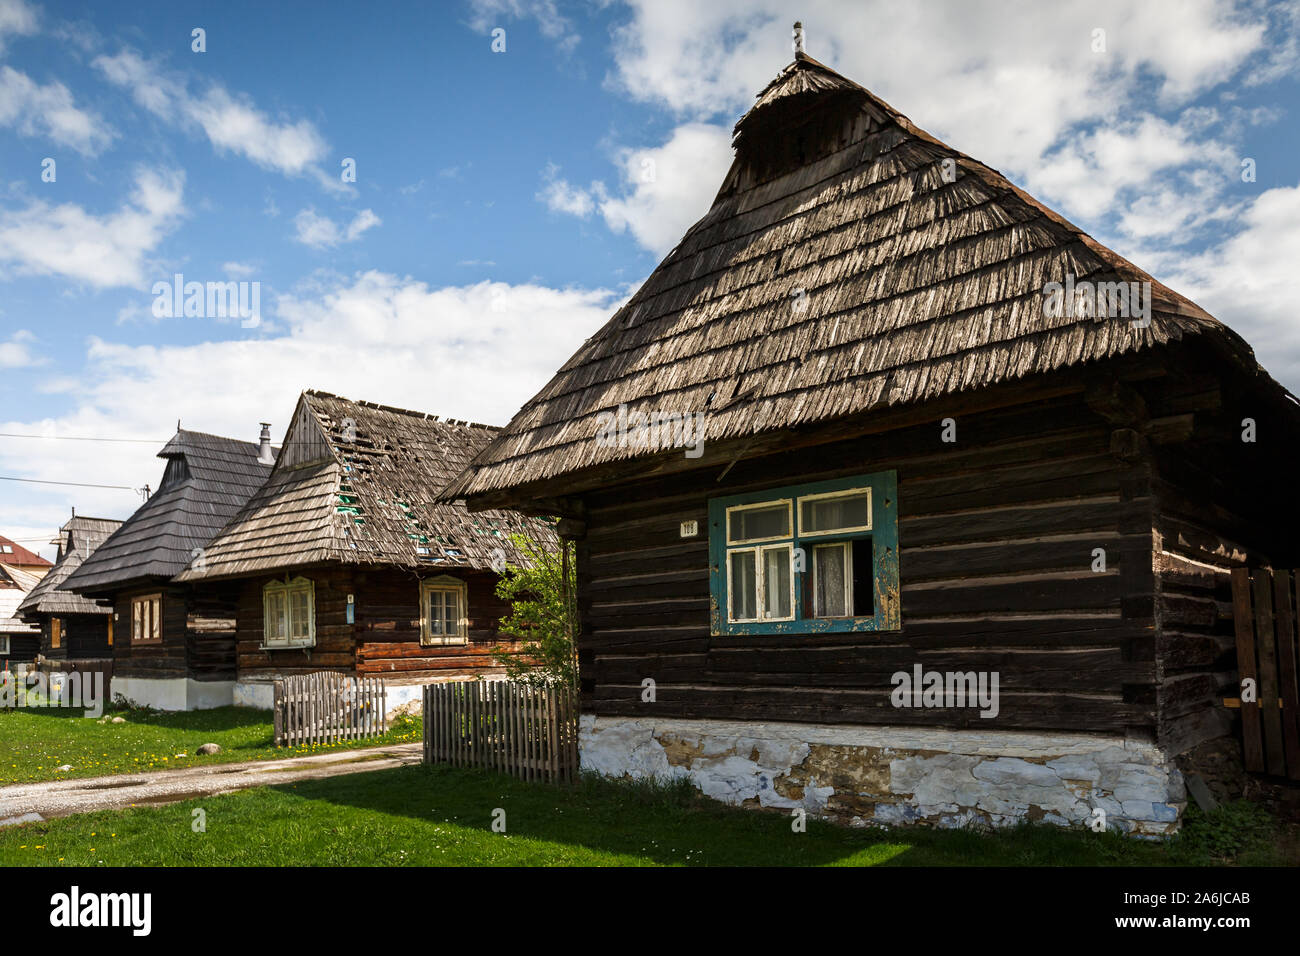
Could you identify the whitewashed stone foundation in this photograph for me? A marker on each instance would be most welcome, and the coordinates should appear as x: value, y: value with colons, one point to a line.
x: 900, y: 775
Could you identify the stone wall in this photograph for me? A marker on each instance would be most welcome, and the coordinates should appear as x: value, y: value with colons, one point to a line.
x: 896, y: 775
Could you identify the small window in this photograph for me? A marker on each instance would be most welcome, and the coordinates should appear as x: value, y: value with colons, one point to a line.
x: 4, y: 645
x: 146, y: 619
x: 840, y: 512
x: 767, y: 521
x: 56, y: 633
x: 110, y: 630
x: 806, y: 558
x: 443, y: 611
x: 289, y: 614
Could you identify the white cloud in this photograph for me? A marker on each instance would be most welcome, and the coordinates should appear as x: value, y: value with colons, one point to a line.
x: 238, y: 270
x: 17, y: 352
x: 49, y: 111
x: 476, y: 351
x: 662, y: 191
x: 1006, y: 82
x: 231, y: 122
x: 1250, y: 281
x: 17, y: 18
x: 102, y: 250
x: 320, y: 232
x: 560, y: 195
x: 665, y: 189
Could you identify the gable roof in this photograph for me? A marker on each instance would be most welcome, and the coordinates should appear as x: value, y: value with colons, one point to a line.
x: 357, y: 483
x: 15, y: 555
x: 851, y: 262
x: 78, y: 538
x: 207, y: 480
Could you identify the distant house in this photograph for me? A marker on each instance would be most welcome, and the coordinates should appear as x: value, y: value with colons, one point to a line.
x: 19, y: 640
x: 344, y: 560
x: 16, y: 556
x: 72, y: 627
x: 174, y: 647
x: 955, y: 543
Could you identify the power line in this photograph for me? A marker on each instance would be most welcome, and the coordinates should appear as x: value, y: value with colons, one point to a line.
x: 146, y: 441
x: 78, y: 484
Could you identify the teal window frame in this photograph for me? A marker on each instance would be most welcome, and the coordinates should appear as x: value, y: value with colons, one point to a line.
x: 884, y: 557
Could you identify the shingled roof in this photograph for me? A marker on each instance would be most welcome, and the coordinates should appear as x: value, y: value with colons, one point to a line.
x: 78, y: 538
x: 207, y: 480
x: 851, y: 262
x: 357, y: 483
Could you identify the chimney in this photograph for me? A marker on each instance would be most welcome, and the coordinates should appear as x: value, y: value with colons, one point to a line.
x: 264, y: 453
x: 798, y: 37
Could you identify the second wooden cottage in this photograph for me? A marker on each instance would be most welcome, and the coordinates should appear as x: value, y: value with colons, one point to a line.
x: 73, y: 627
x: 344, y: 560
x: 951, y: 545
x: 174, y: 645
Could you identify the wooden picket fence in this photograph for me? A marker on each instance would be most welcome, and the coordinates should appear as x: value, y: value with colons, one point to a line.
x: 521, y: 729
x: 1264, y: 615
x: 326, y: 707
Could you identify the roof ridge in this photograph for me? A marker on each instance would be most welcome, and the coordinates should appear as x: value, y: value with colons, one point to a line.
x: 412, y: 413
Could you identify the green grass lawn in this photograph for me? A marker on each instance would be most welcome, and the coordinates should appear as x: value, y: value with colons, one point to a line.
x: 443, y: 816
x: 34, y: 743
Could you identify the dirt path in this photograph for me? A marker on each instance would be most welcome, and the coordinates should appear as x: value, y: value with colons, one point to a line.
x: 59, y: 798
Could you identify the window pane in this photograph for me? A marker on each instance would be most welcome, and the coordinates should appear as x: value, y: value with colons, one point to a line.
x: 299, y: 615
x: 437, y: 614
x: 776, y: 582
x: 137, y: 608
x: 744, y: 586
x: 275, y: 622
x: 155, y: 618
x: 767, y: 521
x: 451, y: 606
x: 829, y: 572
x: 832, y: 514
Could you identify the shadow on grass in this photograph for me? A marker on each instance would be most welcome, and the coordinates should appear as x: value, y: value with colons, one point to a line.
x: 672, y: 824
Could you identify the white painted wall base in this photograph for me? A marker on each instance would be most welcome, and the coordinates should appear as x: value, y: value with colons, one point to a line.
x: 254, y: 693
x: 900, y: 775
x: 174, y: 693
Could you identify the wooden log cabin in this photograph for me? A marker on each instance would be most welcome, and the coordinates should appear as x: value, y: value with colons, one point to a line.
x: 344, y: 560
x: 174, y: 644
x: 72, y: 627
x: 953, y: 542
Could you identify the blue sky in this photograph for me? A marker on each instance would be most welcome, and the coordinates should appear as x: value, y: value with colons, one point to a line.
x: 506, y: 202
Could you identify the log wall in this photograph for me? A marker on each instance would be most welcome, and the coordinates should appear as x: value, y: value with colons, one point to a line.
x: 997, y: 533
x: 384, y: 637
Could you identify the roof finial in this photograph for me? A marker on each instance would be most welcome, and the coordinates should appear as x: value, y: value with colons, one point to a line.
x: 798, y: 38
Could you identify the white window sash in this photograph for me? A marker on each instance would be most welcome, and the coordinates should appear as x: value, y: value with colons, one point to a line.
x: 826, y: 496
x: 278, y: 617
x: 454, y: 595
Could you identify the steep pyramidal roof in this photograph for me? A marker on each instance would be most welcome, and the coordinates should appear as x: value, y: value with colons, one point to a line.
x: 850, y: 262
x: 207, y: 479
x: 78, y: 538
x: 357, y: 483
